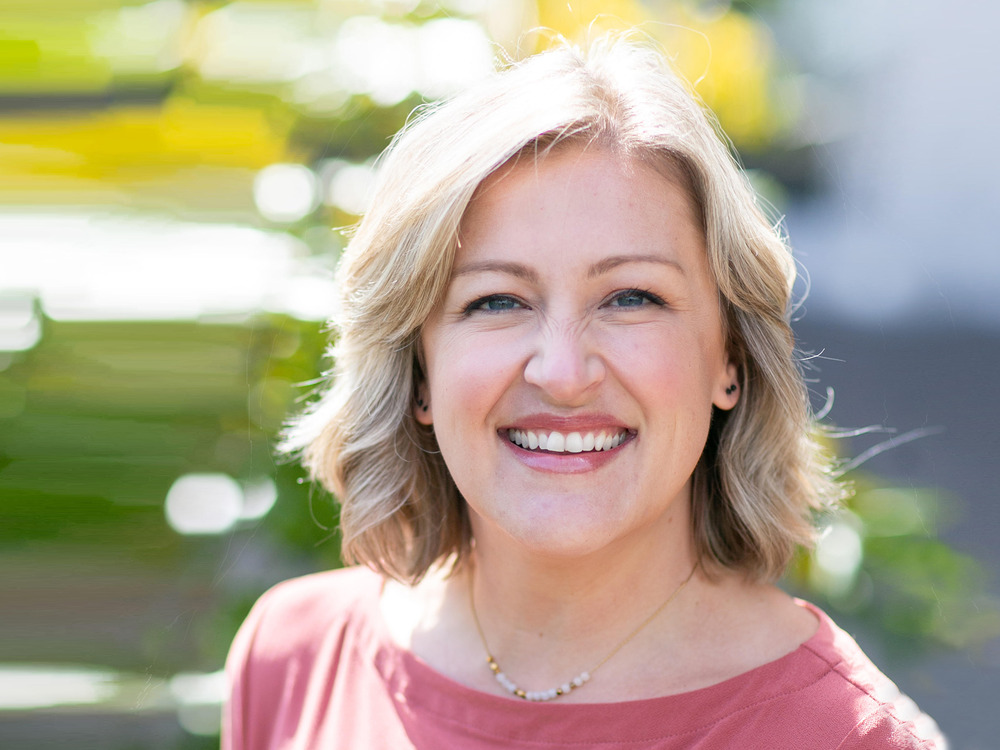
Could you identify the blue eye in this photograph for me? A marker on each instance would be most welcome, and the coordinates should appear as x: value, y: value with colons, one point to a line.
x: 634, y: 298
x: 494, y: 303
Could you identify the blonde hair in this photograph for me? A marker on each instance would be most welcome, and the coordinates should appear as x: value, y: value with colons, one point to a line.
x: 761, y: 475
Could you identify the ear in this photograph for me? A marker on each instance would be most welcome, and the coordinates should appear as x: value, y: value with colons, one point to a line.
x: 422, y: 394
x: 422, y: 405
x: 727, y: 390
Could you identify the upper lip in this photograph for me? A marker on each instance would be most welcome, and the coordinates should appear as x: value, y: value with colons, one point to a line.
x: 577, y: 423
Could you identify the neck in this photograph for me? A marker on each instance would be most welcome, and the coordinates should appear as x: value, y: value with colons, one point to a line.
x: 547, y: 618
x: 538, y: 590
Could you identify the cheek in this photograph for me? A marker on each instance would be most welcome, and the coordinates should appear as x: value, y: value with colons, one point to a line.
x: 466, y: 384
x: 671, y: 374
x: 662, y: 362
x: 467, y: 379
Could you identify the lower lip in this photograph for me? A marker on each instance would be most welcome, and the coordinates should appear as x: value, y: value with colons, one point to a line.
x: 564, y: 463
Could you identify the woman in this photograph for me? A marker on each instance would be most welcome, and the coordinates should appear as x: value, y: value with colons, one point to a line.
x: 571, y: 444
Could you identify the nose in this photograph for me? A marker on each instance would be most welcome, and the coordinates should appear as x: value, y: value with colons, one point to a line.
x: 565, y: 365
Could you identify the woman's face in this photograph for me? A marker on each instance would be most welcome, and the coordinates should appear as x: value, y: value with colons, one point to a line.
x: 572, y: 365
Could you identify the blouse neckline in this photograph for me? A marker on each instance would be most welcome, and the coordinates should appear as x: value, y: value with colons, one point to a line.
x: 418, y: 687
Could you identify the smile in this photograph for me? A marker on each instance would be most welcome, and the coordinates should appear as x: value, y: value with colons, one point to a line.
x: 572, y: 442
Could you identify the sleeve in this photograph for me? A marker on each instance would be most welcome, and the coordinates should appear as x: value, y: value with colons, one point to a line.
x: 884, y: 730
x: 236, y: 734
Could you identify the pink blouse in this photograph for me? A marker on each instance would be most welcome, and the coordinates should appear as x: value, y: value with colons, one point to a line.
x: 314, y: 667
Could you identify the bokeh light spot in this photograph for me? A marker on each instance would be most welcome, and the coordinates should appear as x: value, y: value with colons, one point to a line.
x: 838, y: 556
x: 20, y: 326
x: 285, y: 193
x: 199, y: 698
x: 204, y: 504
x: 259, y: 497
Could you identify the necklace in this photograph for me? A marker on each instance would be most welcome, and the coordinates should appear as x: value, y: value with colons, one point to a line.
x: 552, y: 693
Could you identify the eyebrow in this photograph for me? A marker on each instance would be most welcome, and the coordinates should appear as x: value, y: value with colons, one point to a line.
x: 603, y: 266
x: 518, y: 270
x: 521, y: 271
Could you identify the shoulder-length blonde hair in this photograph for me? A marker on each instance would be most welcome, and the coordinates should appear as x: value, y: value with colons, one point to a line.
x: 761, y: 475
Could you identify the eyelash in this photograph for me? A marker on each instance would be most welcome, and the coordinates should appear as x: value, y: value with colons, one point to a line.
x: 643, y: 293
x: 478, y: 305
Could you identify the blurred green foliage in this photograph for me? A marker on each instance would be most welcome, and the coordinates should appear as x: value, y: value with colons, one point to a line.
x: 881, y: 560
x: 110, y: 415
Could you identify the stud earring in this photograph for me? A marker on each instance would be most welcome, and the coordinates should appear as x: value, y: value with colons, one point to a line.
x: 422, y: 404
x: 731, y: 390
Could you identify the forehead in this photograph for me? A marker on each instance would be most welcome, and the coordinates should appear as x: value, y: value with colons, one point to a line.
x: 580, y: 198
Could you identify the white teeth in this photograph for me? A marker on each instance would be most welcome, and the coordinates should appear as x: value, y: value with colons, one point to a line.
x: 557, y: 442
x: 574, y: 442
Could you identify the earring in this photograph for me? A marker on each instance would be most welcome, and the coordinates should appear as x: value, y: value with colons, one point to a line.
x: 422, y: 404
x: 731, y: 390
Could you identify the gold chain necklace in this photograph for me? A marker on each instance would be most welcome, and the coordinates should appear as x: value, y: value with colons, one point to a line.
x: 552, y: 693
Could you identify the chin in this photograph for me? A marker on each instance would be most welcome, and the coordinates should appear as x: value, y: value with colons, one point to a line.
x: 560, y: 548
x: 559, y: 528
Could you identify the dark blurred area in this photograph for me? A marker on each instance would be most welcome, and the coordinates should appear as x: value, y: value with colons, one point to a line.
x: 173, y: 179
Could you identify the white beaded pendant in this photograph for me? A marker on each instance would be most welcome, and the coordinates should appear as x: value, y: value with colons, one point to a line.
x: 535, y: 695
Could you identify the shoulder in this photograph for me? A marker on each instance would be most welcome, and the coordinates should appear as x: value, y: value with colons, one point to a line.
x: 296, y: 629
x: 876, y: 713
x: 296, y: 616
x: 323, y: 595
